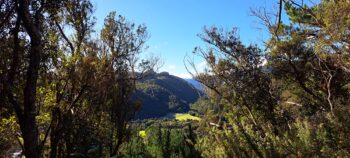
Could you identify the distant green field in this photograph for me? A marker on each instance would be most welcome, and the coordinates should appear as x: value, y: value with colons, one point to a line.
x: 142, y: 133
x: 185, y: 117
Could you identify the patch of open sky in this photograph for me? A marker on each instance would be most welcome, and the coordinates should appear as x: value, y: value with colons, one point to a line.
x: 174, y: 24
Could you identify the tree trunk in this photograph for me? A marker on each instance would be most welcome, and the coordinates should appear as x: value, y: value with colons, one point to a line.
x: 29, y: 130
x: 55, y: 135
x: 28, y: 124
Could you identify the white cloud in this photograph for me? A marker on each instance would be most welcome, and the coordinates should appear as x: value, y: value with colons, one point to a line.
x: 202, y: 65
x: 171, y: 67
x: 183, y: 75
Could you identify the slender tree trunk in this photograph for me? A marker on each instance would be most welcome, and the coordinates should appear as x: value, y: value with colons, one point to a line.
x: 28, y: 124
x: 120, y: 136
x: 55, y: 135
x: 29, y: 129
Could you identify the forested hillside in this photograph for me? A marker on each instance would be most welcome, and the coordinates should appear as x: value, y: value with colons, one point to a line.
x: 163, y: 93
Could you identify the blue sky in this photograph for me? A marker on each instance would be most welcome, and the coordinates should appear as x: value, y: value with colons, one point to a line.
x: 174, y: 24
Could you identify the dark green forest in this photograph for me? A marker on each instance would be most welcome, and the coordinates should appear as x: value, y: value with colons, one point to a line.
x: 65, y: 93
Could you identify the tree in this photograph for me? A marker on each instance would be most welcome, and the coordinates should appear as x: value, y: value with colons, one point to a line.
x: 315, y: 47
x: 290, y: 105
x: 121, y: 42
x: 53, y: 78
x: 241, y: 85
x: 23, y: 16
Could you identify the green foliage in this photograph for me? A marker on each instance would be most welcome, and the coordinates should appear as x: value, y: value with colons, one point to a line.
x: 296, y: 105
x: 69, y: 94
x: 202, y: 106
x: 161, y: 142
x: 9, y: 138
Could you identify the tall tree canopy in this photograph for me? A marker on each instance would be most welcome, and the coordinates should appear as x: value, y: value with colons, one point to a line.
x: 297, y: 104
x: 62, y: 84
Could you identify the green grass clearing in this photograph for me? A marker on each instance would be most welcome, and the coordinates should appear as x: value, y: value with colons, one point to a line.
x: 142, y: 133
x: 185, y: 117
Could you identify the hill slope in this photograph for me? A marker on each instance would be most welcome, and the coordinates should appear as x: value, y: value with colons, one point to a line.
x: 194, y: 83
x: 163, y: 93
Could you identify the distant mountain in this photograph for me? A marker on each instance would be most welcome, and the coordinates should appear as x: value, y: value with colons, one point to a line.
x: 194, y: 83
x: 162, y: 93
